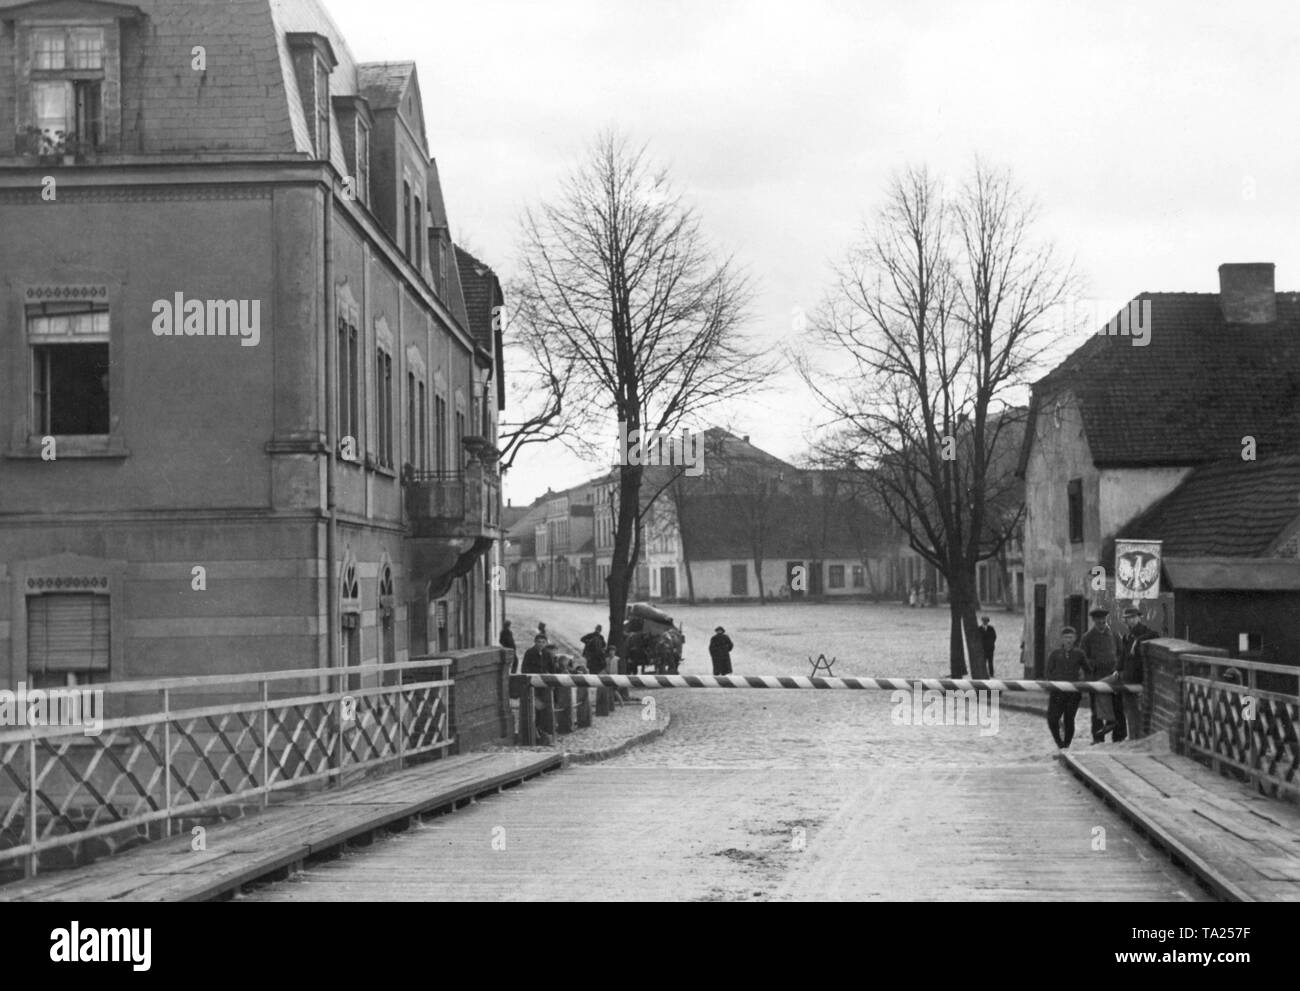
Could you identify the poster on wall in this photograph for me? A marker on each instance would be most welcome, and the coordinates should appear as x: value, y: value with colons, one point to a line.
x: 1137, y: 569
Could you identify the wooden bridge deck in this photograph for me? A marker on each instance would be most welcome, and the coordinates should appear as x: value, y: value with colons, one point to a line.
x: 244, y: 850
x: 1244, y: 846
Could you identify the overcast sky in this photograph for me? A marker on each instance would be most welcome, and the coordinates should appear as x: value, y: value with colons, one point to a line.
x: 1159, y: 139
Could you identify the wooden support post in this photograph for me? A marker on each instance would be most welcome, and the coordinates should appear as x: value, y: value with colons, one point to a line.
x: 266, y: 743
x: 167, y: 759
x: 527, y: 736
x: 584, y: 707
x: 29, y: 862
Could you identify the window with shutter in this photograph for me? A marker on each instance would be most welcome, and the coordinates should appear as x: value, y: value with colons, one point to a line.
x: 67, y: 638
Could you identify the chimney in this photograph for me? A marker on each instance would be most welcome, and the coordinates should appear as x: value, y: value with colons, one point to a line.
x: 1246, y: 292
x: 745, y: 438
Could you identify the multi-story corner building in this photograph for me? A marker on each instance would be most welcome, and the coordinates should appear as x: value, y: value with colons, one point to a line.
x: 247, y: 418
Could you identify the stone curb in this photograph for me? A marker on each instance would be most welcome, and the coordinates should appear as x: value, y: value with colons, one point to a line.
x: 595, y: 756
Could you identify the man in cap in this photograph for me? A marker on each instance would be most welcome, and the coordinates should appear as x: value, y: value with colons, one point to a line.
x: 720, y: 647
x: 1128, y: 714
x: 1066, y: 663
x: 1101, y: 647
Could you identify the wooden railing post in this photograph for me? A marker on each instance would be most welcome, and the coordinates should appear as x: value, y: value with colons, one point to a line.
x: 266, y: 743
x: 167, y: 758
x: 29, y: 863
x: 527, y: 735
x: 400, y: 702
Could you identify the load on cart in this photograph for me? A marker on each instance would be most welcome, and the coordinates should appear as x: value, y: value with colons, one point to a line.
x: 651, y: 640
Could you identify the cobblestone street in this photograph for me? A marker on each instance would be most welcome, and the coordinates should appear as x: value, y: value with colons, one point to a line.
x: 779, y: 795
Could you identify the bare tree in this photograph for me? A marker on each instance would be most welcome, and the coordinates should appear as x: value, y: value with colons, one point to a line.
x: 939, y: 313
x: 539, y: 382
x: 617, y: 280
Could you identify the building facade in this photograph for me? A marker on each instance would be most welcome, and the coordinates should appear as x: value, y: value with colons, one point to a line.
x: 248, y: 420
x: 1117, y: 428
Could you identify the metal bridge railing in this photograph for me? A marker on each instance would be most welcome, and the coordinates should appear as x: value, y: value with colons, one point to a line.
x: 213, y: 745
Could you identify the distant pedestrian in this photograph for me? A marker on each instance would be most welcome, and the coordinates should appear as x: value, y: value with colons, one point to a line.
x: 1128, y: 715
x: 1101, y: 646
x: 541, y: 632
x: 593, y: 647
x: 507, y: 640
x: 720, y: 648
x: 1066, y: 663
x: 912, y: 597
x: 989, y: 636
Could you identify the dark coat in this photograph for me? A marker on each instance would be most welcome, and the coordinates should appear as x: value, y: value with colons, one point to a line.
x: 1102, y: 650
x: 1065, y: 666
x: 507, y: 639
x: 1131, y: 653
x: 537, y: 662
x: 593, y: 646
x: 720, y: 647
x: 989, y: 636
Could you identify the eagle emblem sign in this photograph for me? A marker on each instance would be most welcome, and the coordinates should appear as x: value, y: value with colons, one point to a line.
x: 1137, y: 569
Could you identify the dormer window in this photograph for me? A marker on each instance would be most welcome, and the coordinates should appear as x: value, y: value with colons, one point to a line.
x: 313, y: 61
x: 362, y: 171
x: 66, y: 85
x: 322, y: 110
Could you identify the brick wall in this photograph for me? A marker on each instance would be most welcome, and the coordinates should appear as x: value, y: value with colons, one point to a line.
x: 480, y: 700
x: 1162, y: 705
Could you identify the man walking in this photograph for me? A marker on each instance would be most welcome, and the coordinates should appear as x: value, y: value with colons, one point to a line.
x: 720, y: 647
x: 1066, y: 663
x: 1128, y: 714
x: 990, y: 637
x: 1101, y: 647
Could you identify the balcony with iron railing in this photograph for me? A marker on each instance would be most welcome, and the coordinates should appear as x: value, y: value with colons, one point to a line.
x: 453, y: 505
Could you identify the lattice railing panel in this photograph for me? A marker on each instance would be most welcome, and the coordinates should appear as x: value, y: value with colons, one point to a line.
x: 1251, y: 730
x: 148, y: 769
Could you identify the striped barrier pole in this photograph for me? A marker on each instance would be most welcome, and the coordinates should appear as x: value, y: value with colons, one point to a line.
x: 790, y: 681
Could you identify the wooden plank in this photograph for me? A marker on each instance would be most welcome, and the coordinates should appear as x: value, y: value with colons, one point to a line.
x: 241, y: 850
x: 1243, y: 858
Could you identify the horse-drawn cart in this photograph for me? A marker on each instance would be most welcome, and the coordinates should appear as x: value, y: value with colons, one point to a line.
x: 652, y: 641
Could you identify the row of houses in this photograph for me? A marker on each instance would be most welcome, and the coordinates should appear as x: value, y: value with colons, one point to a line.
x: 1192, y: 439
x: 754, y: 526
x: 249, y: 384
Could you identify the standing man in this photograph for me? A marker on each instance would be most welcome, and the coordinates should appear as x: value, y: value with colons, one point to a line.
x: 507, y: 641
x: 720, y: 647
x: 1101, y: 647
x: 593, y: 648
x: 990, y: 637
x: 539, y: 660
x: 1066, y: 663
x: 1128, y: 715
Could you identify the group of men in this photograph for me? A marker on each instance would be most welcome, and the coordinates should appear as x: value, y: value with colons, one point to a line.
x: 1101, y: 655
x: 598, y: 656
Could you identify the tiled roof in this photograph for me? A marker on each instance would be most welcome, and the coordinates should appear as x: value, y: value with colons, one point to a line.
x: 523, y: 527
x: 384, y: 83
x: 1193, y: 392
x: 1231, y: 508
x: 479, y: 285
x: 719, y: 527
x: 237, y: 106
